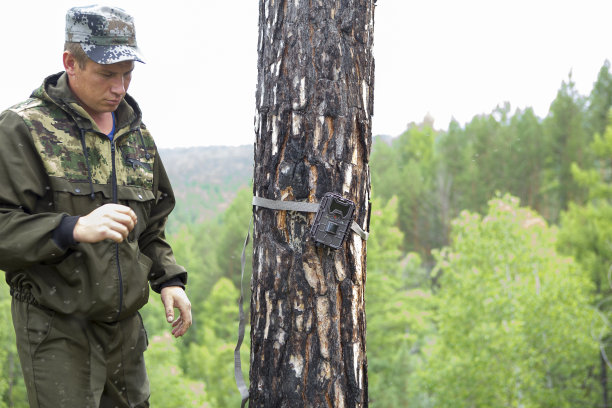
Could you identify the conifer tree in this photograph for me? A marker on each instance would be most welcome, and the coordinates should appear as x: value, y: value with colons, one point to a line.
x: 313, y: 135
x: 567, y: 140
x: 600, y: 101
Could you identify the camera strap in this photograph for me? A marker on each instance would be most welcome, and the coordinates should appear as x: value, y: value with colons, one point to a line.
x: 302, y: 207
x: 274, y: 205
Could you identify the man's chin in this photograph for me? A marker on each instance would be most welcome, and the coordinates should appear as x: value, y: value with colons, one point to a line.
x: 111, y: 106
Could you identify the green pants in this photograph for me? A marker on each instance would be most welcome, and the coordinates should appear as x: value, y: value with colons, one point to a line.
x: 69, y: 362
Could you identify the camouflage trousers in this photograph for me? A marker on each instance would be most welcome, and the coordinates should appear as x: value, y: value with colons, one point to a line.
x: 69, y: 362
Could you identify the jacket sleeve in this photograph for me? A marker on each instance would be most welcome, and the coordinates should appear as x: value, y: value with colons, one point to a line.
x: 153, y: 242
x: 26, y: 224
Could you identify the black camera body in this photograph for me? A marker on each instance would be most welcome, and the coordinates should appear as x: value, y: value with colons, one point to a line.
x: 333, y: 220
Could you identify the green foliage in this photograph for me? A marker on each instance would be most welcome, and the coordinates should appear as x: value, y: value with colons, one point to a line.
x: 170, y: 388
x: 386, y: 238
x: 568, y: 139
x: 527, y: 155
x: 418, y: 213
x: 398, y: 310
x: 586, y: 236
x: 398, y: 325
x: 210, y: 251
x: 458, y: 172
x: 508, y: 307
x: 600, y: 101
x: 234, y: 226
x: 210, y: 359
x: 195, y: 247
x: 219, y: 311
x: 383, y: 166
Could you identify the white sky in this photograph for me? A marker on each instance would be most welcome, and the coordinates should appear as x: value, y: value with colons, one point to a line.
x: 447, y: 58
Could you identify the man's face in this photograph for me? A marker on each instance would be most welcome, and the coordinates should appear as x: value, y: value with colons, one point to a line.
x: 100, y: 88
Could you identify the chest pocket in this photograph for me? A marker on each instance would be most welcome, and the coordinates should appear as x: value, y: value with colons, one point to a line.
x: 136, y: 162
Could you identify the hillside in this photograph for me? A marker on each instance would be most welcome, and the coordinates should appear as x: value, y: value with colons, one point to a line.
x: 206, y: 179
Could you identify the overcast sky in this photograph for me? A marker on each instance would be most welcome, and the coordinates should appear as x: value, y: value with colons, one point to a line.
x: 447, y: 58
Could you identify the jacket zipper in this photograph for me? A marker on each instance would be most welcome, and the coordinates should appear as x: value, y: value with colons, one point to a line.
x: 116, y: 201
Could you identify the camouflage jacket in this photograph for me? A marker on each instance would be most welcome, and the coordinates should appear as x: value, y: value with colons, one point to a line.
x: 56, y: 165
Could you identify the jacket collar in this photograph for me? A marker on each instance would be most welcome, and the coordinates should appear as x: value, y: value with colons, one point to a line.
x: 55, y: 89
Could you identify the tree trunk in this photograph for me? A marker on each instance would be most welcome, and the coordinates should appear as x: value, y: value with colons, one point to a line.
x: 313, y: 135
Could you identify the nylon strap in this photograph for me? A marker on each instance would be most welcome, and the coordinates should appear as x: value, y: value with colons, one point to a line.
x: 274, y: 205
x: 244, y: 391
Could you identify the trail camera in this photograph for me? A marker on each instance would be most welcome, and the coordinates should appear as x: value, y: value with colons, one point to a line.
x: 333, y: 220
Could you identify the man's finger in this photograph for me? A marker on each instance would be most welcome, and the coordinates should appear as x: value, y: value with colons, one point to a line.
x: 177, y: 326
x: 130, y: 213
x: 170, y: 315
x: 124, y: 219
x: 169, y: 306
x: 180, y: 328
x: 185, y: 322
x: 175, y: 297
x: 185, y: 309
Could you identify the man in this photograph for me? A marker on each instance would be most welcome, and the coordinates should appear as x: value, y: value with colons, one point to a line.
x: 84, y: 198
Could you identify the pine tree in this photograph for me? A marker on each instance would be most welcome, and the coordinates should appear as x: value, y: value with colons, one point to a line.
x: 313, y: 135
x: 600, y: 101
x: 567, y: 140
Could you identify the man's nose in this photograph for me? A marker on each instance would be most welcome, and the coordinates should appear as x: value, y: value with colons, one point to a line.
x: 118, y: 86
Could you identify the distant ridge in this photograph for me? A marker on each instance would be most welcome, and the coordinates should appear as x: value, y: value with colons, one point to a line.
x: 205, y: 180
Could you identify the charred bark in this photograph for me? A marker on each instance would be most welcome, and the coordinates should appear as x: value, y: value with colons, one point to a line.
x: 313, y: 135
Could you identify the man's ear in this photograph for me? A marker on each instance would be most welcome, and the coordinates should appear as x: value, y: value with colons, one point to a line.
x: 70, y: 63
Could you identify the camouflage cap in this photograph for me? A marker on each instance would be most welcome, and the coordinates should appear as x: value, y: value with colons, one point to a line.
x: 106, y: 34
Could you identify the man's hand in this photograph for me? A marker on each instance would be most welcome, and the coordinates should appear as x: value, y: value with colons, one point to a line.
x: 175, y: 297
x: 110, y: 221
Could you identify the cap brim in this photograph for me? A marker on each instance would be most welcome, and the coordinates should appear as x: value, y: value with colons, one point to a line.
x: 111, y: 54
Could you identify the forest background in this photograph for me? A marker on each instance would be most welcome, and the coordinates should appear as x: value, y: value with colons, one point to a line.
x: 489, y: 264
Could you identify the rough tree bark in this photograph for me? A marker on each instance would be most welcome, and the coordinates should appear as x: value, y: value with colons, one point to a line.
x: 313, y: 135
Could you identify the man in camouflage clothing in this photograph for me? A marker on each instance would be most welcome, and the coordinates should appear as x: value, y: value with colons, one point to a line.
x: 84, y: 198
